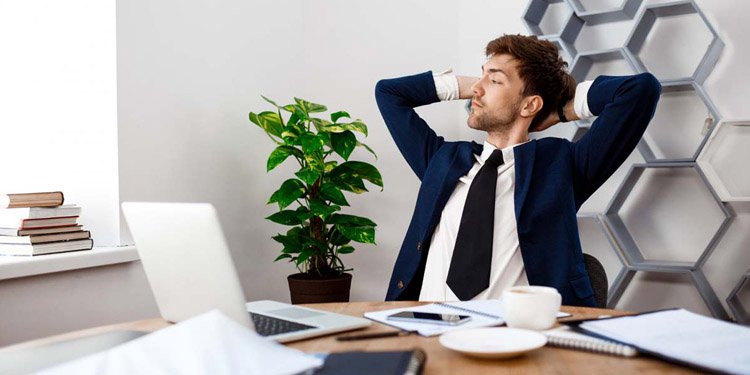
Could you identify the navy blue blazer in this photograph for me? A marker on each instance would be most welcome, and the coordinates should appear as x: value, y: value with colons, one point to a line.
x: 554, y: 177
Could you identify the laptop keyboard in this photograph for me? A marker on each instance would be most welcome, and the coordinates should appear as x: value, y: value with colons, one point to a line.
x: 267, y: 325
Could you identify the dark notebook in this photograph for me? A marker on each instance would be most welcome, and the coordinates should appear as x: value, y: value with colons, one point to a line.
x: 363, y: 363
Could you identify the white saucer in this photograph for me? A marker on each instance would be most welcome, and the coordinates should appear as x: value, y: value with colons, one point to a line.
x: 493, y: 342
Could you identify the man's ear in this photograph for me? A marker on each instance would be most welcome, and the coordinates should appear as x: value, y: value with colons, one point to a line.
x: 532, y: 105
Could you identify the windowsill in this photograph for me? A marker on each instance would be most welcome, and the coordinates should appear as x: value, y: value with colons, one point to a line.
x: 12, y: 267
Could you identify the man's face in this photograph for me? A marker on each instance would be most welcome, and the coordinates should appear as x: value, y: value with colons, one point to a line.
x: 497, y: 95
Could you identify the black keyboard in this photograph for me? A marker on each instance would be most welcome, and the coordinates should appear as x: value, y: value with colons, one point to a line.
x: 267, y: 325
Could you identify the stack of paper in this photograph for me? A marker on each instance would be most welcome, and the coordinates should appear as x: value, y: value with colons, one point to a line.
x: 681, y: 336
x: 210, y: 343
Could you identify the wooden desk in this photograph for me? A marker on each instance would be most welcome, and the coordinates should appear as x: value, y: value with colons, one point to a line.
x: 440, y: 360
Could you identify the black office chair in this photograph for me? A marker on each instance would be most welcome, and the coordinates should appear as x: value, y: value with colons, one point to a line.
x: 598, y: 278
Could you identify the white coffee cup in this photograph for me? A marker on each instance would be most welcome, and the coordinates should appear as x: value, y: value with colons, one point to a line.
x: 531, y: 307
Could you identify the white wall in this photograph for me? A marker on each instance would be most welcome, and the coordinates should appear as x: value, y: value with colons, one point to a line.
x: 58, y: 106
x: 185, y: 90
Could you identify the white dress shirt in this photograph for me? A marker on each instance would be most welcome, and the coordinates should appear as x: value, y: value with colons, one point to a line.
x: 507, y: 267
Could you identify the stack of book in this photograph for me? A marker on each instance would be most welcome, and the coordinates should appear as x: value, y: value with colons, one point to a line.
x: 39, y: 223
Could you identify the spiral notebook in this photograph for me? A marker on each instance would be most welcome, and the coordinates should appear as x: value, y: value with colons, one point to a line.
x: 565, y: 337
x: 484, y: 313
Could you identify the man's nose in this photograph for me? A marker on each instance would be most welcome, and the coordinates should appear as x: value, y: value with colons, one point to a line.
x: 476, y: 88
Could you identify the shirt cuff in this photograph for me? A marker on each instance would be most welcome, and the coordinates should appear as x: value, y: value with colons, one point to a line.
x: 580, y: 102
x: 446, y: 85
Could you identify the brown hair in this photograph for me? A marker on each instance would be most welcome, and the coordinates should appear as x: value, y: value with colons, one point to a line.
x: 540, y: 67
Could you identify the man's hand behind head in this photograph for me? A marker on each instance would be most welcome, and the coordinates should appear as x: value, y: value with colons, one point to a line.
x: 553, y: 118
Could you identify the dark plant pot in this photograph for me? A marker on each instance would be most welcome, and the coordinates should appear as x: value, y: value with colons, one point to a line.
x: 305, y: 288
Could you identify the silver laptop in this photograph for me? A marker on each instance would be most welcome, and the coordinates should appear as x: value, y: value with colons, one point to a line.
x: 190, y: 269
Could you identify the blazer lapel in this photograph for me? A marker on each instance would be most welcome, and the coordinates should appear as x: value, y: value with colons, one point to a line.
x: 524, y: 157
x: 459, y: 166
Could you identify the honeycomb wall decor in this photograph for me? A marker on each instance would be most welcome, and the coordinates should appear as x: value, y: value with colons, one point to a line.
x: 613, y: 62
x: 685, y: 109
x: 600, y: 14
x: 724, y: 160
x: 696, y: 161
x: 738, y: 300
x: 659, y: 36
x: 657, y: 210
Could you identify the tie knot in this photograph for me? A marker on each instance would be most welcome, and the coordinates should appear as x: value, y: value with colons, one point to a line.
x: 496, y: 159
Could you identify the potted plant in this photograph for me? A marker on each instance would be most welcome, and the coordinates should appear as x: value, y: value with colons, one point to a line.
x: 311, y: 201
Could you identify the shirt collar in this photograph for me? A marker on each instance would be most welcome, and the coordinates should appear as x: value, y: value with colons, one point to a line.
x: 489, y: 148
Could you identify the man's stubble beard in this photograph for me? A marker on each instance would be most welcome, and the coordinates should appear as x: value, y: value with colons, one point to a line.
x: 494, y: 122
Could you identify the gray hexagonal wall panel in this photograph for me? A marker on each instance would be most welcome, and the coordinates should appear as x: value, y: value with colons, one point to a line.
x: 589, y: 65
x: 724, y: 160
x: 657, y: 42
x: 593, y: 13
x: 684, y: 109
x: 696, y: 276
x: 552, y: 18
x: 674, y: 192
x: 741, y: 309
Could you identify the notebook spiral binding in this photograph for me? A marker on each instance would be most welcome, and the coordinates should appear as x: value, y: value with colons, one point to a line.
x: 563, y: 337
x: 486, y: 315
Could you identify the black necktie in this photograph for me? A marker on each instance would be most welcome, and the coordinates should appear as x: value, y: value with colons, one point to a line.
x: 469, y: 273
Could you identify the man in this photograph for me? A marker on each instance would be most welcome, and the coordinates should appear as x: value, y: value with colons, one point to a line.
x: 492, y: 216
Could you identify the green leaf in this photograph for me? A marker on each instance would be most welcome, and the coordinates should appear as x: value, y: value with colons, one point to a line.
x: 351, y: 221
x: 270, y: 101
x: 368, y: 149
x: 293, y: 119
x: 296, y: 111
x: 289, y: 242
x: 303, y: 256
x: 286, y: 217
x: 311, y: 142
x: 291, y: 133
x: 349, y: 183
x: 319, y: 208
x: 320, y: 124
x: 309, y: 107
x: 346, y: 249
x: 338, y: 239
x: 358, y: 234
x: 308, y: 175
x: 315, y: 160
x: 333, y: 194
x: 358, y: 169
x: 357, y: 126
x: 292, y: 250
x: 303, y: 213
x: 343, y: 143
x: 337, y: 115
x: 284, y: 256
x: 330, y: 165
x: 280, y: 154
x: 290, y: 190
x: 268, y: 121
x: 325, y: 137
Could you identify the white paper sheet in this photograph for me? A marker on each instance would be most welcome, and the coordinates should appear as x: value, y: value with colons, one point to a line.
x: 683, y: 335
x: 210, y: 343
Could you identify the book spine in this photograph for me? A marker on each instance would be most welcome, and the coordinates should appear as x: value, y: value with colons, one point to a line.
x: 39, y: 223
x: 50, y: 199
